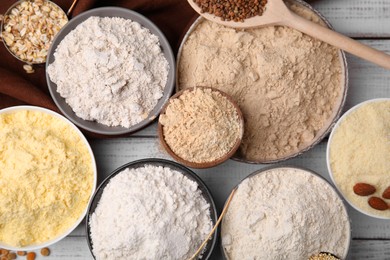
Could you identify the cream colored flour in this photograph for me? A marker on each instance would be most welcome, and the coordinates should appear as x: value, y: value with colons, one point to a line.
x: 284, y: 213
x: 201, y: 125
x: 360, y: 152
x: 288, y: 85
x: 110, y: 70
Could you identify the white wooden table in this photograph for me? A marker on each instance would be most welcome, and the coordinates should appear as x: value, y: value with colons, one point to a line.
x: 366, y: 20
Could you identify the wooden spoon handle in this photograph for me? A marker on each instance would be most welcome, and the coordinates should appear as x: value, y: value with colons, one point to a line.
x: 338, y: 40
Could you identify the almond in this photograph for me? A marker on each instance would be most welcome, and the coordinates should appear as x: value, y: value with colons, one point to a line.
x: 386, y: 193
x: 363, y: 189
x: 378, y: 203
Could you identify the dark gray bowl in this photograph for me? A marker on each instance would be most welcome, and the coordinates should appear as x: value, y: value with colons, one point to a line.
x: 157, y: 162
x: 93, y: 126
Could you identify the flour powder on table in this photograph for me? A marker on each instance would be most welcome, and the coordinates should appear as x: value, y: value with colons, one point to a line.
x: 150, y: 213
x: 110, y: 70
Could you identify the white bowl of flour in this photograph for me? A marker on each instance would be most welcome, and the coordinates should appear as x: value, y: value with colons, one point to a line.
x: 358, y: 151
x: 285, y: 213
x: 53, y: 174
x: 151, y: 209
x: 110, y: 70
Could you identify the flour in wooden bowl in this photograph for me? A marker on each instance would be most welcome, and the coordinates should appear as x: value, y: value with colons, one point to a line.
x: 201, y: 125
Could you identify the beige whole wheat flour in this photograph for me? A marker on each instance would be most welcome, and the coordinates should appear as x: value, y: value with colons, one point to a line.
x: 201, y: 125
x: 287, y: 84
x: 285, y: 213
x: 110, y: 70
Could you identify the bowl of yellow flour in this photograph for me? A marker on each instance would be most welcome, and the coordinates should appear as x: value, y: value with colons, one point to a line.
x: 47, y: 175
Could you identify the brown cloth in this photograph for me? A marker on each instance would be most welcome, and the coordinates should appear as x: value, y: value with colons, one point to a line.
x: 17, y: 87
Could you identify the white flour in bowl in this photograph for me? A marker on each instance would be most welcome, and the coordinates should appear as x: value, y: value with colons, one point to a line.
x: 150, y: 213
x: 110, y: 70
x: 285, y: 213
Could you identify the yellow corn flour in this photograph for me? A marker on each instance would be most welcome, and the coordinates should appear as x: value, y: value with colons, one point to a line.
x: 360, y: 152
x: 46, y: 177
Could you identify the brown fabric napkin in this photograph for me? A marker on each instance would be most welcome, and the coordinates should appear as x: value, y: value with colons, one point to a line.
x: 17, y: 87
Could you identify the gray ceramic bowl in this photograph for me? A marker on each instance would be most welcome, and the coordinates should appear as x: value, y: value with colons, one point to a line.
x: 327, y: 127
x: 93, y: 126
x: 165, y: 163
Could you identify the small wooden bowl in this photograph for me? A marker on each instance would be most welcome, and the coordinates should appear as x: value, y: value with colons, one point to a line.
x: 209, y: 163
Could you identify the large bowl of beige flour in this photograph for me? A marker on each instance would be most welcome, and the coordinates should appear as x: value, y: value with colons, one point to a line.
x: 289, y: 86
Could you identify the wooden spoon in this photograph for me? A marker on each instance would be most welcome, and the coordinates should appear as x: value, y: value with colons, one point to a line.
x: 277, y: 13
x: 71, y: 8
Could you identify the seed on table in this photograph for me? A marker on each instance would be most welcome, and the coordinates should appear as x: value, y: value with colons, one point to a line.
x: 28, y: 68
x: 4, y: 252
x: 45, y: 251
x: 31, y: 256
x: 11, y: 256
x: 21, y: 253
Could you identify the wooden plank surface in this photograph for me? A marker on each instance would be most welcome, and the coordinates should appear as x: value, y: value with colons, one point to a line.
x: 357, y: 18
x: 371, y: 237
x: 75, y: 248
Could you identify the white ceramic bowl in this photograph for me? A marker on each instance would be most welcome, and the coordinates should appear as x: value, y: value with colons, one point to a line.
x: 328, y: 154
x: 315, y: 175
x: 81, y: 217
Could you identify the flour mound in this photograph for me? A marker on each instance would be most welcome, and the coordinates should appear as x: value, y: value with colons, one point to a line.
x: 150, y: 213
x: 110, y: 70
x: 285, y: 213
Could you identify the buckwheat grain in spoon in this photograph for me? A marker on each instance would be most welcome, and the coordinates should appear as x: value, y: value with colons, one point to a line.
x: 255, y: 13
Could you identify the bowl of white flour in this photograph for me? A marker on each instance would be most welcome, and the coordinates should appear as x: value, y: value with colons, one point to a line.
x: 110, y: 70
x: 151, y: 209
x: 285, y: 213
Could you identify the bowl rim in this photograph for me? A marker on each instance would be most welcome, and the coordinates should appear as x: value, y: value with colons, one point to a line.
x: 328, y: 148
x: 209, y: 164
x: 166, y: 50
x: 94, y: 169
x: 2, y: 29
x: 344, y: 84
x: 312, y: 173
x: 207, y: 195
